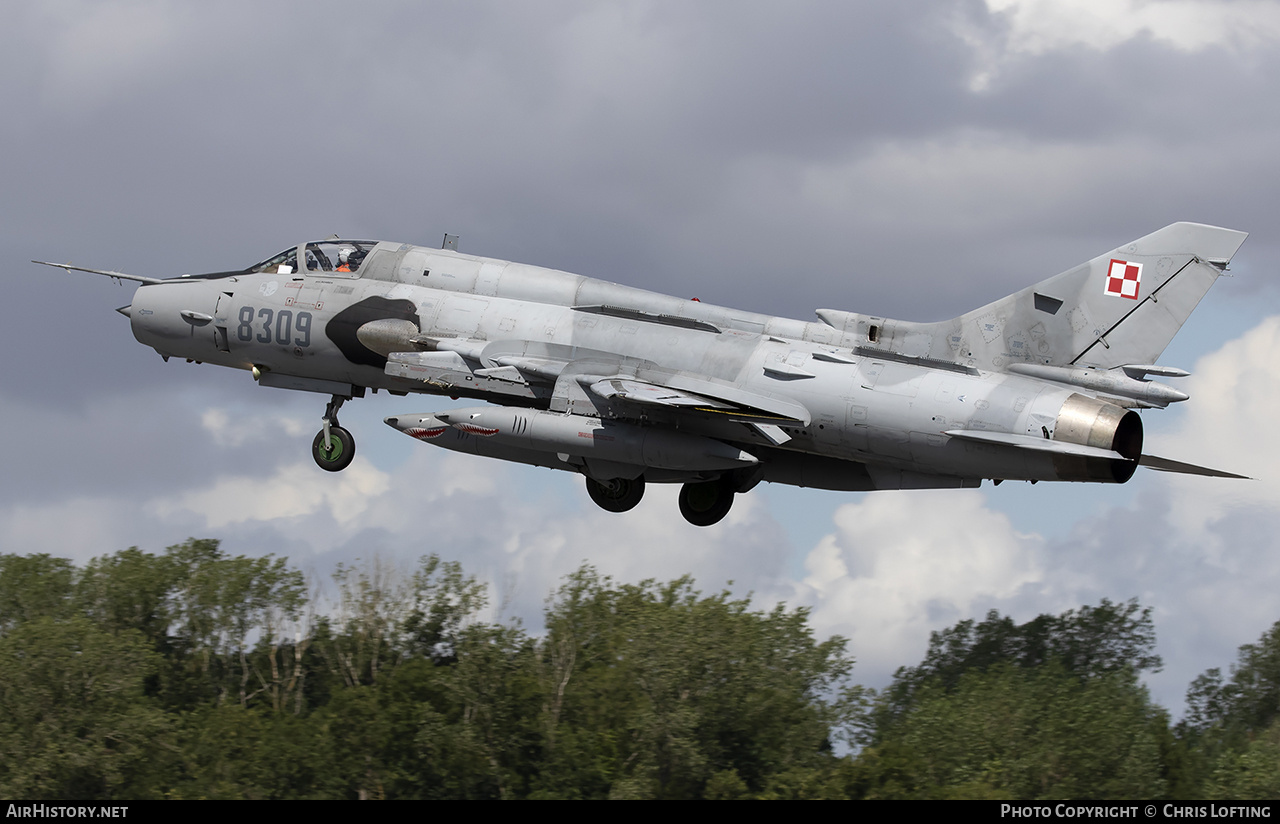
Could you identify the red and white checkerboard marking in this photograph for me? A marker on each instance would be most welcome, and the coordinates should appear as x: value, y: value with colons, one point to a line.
x: 1123, y: 278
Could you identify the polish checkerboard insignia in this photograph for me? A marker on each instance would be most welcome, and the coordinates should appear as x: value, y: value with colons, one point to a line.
x: 1123, y: 278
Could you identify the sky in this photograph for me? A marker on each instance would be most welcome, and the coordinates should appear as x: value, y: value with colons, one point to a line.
x: 910, y: 160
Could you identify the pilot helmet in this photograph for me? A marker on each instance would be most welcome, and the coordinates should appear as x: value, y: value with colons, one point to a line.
x: 343, y: 254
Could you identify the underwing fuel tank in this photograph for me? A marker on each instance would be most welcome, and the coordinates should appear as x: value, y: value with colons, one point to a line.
x: 560, y: 438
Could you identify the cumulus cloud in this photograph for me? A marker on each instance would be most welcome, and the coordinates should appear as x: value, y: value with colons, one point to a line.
x: 1039, y: 26
x: 1017, y: 29
x: 900, y: 564
x: 292, y: 491
x: 1228, y: 424
x: 76, y: 526
x: 227, y: 431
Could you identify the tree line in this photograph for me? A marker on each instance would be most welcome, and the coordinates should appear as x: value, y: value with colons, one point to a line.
x: 193, y: 673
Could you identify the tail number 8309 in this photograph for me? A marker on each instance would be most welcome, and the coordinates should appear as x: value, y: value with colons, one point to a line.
x: 267, y: 326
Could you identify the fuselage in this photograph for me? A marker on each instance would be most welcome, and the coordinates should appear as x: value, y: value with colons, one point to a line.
x: 867, y: 418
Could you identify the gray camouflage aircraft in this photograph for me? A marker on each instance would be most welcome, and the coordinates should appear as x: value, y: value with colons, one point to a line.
x: 629, y: 387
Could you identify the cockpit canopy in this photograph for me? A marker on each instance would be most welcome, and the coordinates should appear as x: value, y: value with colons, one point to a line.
x: 336, y: 257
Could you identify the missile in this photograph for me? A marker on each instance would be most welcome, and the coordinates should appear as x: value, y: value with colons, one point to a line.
x: 1112, y: 381
x: 564, y: 437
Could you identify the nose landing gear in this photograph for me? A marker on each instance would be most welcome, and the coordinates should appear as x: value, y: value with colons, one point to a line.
x: 333, y: 447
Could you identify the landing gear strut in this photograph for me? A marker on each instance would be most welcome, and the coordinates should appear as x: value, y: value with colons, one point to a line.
x: 704, y: 504
x: 616, y: 495
x: 333, y: 447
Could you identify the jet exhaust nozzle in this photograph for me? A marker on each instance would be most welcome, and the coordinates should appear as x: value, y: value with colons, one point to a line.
x: 1091, y: 422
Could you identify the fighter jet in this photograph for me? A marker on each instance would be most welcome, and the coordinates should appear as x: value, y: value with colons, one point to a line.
x: 629, y: 387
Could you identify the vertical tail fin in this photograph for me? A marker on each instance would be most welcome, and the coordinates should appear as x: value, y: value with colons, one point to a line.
x: 1119, y: 308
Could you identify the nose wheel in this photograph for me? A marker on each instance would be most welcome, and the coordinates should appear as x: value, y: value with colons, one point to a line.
x: 338, y: 454
x: 333, y: 447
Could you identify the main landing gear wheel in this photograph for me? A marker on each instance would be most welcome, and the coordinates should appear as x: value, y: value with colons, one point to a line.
x: 704, y: 504
x: 333, y: 447
x: 342, y: 448
x: 617, y: 495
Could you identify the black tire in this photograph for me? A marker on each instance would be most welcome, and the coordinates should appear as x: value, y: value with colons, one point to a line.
x: 340, y: 452
x: 704, y: 504
x: 618, y: 495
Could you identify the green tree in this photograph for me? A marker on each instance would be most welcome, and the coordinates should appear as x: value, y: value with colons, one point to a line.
x: 1087, y: 642
x: 230, y: 752
x: 196, y: 674
x: 1047, y: 709
x: 1230, y: 725
x: 220, y: 601
x: 1247, y: 702
x: 130, y: 590
x: 1015, y: 732
x: 34, y: 587
x: 653, y: 690
x: 444, y: 600
x: 1251, y: 772
x: 373, y: 603
x: 426, y: 701
x: 74, y: 719
x: 382, y: 617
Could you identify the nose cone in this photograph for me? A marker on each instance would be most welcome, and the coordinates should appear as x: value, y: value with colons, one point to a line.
x: 422, y: 427
x: 127, y: 311
x: 1162, y: 394
x: 404, y: 423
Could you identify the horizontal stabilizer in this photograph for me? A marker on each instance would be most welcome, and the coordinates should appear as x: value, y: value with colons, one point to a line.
x: 1166, y: 465
x: 1037, y: 444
